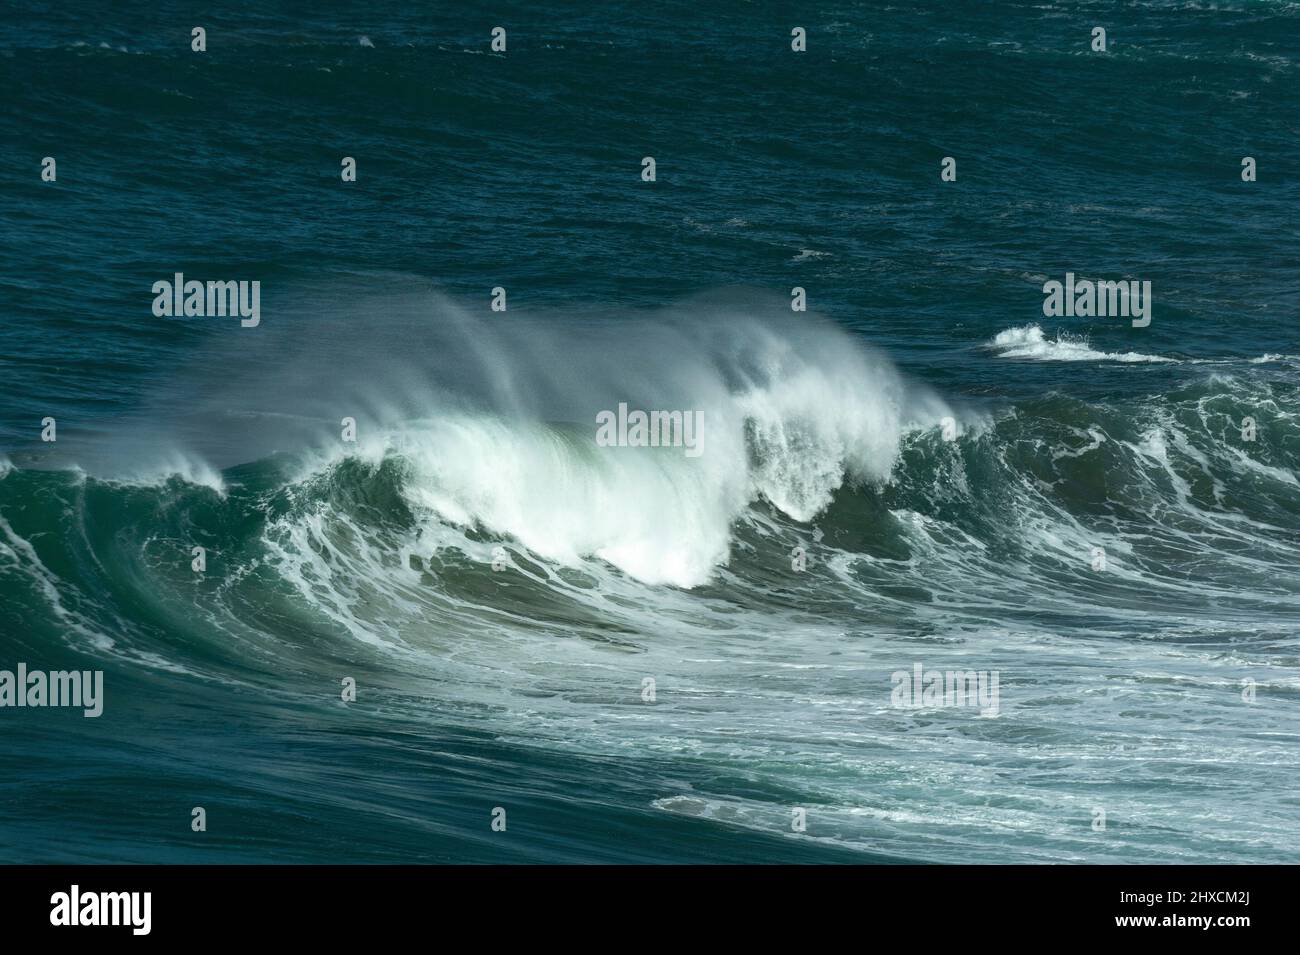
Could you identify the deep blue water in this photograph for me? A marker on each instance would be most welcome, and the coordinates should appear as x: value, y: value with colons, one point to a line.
x: 1123, y: 689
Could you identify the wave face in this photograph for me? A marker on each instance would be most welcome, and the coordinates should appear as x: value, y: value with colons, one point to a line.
x: 924, y: 469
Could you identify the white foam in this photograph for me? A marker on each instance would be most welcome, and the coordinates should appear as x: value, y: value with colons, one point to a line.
x: 167, y: 466
x: 1030, y: 342
x: 785, y: 417
x: 656, y: 514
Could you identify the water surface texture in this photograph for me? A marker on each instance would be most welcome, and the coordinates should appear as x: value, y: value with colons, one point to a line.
x: 922, y: 469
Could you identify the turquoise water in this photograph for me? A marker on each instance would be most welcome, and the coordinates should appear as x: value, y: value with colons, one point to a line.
x: 949, y: 461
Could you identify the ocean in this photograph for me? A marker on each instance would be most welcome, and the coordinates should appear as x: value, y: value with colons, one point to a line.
x: 365, y: 583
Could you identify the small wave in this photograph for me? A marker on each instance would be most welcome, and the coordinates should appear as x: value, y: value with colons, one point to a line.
x: 166, y: 468
x: 1030, y: 342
